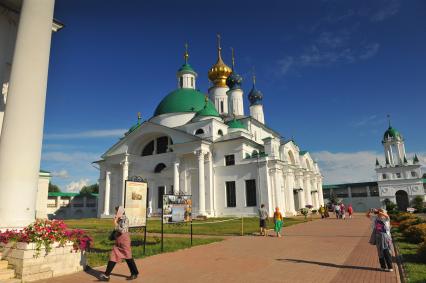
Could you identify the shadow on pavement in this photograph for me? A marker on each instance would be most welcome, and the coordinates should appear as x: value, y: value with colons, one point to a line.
x: 329, y: 264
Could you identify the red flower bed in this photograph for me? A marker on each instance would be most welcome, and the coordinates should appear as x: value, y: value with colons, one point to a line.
x: 45, y: 233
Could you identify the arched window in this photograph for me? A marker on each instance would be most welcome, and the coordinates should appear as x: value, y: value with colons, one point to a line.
x: 159, y: 167
x: 199, y: 132
x: 181, y: 82
x: 148, y: 149
x: 220, y: 133
x: 192, y: 82
x: 162, y: 144
x: 221, y: 107
x: 291, y: 158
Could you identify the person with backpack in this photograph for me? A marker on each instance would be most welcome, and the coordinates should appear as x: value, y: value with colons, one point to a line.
x: 380, y: 237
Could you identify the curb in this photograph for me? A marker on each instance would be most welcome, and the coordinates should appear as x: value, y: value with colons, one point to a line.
x: 403, y: 278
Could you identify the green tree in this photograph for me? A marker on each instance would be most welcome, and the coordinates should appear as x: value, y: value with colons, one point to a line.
x: 390, y: 206
x: 54, y: 188
x: 91, y: 189
x: 417, y: 203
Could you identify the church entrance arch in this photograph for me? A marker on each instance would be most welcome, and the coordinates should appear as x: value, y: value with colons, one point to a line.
x: 402, y: 200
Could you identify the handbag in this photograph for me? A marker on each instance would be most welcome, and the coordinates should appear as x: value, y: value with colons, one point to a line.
x: 114, y: 235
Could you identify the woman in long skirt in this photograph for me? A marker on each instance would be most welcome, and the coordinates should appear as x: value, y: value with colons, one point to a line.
x: 381, y: 238
x: 122, y: 248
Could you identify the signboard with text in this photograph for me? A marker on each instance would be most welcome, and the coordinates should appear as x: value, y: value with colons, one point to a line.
x: 135, y: 203
x: 177, y: 208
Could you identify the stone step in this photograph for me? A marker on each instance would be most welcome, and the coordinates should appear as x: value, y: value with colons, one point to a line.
x: 3, y: 264
x: 7, y: 274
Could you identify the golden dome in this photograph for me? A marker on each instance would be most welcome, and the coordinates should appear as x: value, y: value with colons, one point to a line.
x: 219, y: 72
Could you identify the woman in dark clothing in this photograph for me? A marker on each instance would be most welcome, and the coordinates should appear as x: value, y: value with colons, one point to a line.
x: 381, y: 238
x: 122, y: 247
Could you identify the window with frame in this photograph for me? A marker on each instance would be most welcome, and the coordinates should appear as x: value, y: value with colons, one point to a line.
x: 251, y: 192
x: 221, y: 107
x: 384, y: 176
x: 231, y: 200
x: 148, y: 149
x: 199, y: 132
x: 398, y: 175
x: 229, y: 160
x: 220, y: 133
x: 162, y: 144
x: 413, y: 174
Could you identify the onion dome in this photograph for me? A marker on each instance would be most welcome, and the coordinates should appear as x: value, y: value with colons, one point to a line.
x: 234, y: 80
x: 219, y: 72
x: 236, y: 124
x: 255, y: 96
x: 208, y: 110
x: 391, y: 134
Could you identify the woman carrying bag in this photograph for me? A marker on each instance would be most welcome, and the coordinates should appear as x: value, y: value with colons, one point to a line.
x: 122, y: 247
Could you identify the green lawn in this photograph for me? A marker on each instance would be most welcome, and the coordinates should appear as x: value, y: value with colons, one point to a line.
x: 234, y: 227
x: 415, y: 268
x: 100, y: 229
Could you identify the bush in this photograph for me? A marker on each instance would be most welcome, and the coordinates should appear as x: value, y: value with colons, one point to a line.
x: 403, y: 225
x: 403, y: 216
x: 390, y: 206
x: 417, y: 203
x: 416, y: 233
x: 421, y: 252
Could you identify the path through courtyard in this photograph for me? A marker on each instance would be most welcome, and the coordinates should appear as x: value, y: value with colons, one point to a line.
x: 319, y: 251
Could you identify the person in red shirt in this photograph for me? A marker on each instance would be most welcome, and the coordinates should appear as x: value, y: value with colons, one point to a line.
x: 350, y: 211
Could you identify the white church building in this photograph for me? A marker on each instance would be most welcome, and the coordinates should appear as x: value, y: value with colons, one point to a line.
x: 206, y: 146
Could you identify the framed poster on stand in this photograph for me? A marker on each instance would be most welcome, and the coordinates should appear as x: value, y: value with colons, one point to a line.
x: 136, y: 203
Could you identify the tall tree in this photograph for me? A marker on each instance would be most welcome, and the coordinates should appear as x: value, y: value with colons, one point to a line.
x: 91, y: 189
x: 54, y: 188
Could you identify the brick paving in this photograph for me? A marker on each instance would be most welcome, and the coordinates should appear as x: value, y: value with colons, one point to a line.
x: 327, y: 250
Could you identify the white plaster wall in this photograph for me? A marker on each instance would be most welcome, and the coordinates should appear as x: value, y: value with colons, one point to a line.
x: 41, y: 201
x: 218, y: 95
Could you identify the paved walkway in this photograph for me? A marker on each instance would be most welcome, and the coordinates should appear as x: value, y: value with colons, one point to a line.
x: 320, y: 251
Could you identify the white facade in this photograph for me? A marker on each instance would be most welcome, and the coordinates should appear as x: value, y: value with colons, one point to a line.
x: 230, y: 166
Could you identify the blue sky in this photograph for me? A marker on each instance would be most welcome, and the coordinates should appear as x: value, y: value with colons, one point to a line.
x: 330, y: 72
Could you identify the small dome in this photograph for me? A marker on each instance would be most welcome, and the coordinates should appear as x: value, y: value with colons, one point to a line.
x: 234, y: 81
x: 255, y: 96
x: 186, y: 69
x: 235, y: 124
x: 182, y: 100
x: 391, y: 134
x: 208, y: 110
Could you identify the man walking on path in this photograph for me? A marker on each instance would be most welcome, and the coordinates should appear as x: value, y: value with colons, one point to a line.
x: 263, y: 215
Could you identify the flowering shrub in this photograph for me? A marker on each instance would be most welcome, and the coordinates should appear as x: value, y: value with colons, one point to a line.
x: 403, y: 225
x: 421, y: 252
x: 416, y: 234
x: 45, y: 233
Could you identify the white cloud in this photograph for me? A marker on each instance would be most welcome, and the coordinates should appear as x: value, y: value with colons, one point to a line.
x: 61, y: 174
x: 347, y: 167
x: 87, y: 134
x: 329, y: 48
x: 76, y: 186
x: 59, y: 156
x: 370, y: 51
x: 387, y: 9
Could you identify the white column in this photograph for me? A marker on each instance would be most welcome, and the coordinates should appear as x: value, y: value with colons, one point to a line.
x: 176, y: 177
x: 107, y: 190
x: 22, y: 131
x: 307, y: 189
x: 290, y: 196
x: 279, y: 196
x: 301, y: 193
x: 125, y: 174
x: 58, y: 202
x: 211, y: 185
x: 201, y: 186
x: 321, y: 193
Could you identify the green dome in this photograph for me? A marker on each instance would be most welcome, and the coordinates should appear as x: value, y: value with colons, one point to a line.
x: 391, y: 133
x: 208, y: 110
x: 186, y: 68
x: 182, y: 100
x: 235, y: 124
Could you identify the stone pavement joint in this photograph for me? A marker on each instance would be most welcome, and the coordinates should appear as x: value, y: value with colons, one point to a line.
x: 326, y: 250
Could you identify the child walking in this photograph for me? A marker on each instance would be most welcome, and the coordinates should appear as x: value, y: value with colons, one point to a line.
x: 278, y: 221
